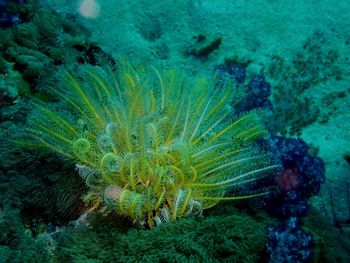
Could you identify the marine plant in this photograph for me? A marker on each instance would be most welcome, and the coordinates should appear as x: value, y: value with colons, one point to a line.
x: 153, y: 145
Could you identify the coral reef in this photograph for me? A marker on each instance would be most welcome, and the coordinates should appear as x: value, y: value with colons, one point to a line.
x: 41, y: 195
x: 257, y: 92
x: 300, y: 178
x: 34, y: 48
x: 289, y: 243
x: 248, y: 96
x: 235, y: 69
x: 284, y: 86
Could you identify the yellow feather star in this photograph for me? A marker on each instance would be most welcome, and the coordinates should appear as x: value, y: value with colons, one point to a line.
x: 154, y: 146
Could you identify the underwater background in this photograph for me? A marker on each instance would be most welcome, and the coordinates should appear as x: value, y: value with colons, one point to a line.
x: 289, y: 58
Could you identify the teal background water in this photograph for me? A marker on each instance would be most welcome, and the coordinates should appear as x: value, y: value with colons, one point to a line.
x: 301, y: 47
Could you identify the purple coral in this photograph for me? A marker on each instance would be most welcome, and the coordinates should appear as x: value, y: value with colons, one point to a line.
x: 289, y: 243
x: 9, y: 18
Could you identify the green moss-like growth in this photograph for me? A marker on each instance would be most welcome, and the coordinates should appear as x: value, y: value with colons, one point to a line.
x: 36, y: 196
x: 226, y: 238
x: 17, y: 244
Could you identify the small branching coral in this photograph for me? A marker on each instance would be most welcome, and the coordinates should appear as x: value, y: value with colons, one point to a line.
x: 153, y: 145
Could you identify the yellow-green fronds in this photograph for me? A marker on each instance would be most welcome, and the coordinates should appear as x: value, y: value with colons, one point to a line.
x: 154, y: 145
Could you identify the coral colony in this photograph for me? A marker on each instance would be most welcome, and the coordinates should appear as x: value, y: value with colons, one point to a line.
x: 300, y: 177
